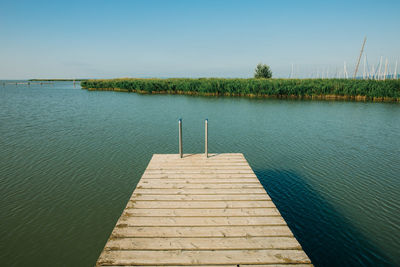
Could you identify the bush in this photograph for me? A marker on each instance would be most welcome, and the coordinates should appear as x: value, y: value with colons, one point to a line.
x: 262, y: 71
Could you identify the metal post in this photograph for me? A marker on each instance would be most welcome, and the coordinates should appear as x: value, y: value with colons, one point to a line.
x: 180, y: 138
x: 206, y: 138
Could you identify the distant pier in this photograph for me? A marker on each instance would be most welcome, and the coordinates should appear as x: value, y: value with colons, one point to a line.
x: 26, y: 83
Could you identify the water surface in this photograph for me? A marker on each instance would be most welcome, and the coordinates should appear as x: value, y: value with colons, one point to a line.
x: 70, y: 159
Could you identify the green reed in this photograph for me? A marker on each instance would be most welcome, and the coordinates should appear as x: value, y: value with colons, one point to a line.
x: 367, y: 89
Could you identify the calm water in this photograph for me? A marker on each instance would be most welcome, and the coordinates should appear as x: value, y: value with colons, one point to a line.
x: 70, y: 159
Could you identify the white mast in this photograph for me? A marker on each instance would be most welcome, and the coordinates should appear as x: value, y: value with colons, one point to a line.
x: 345, y: 75
x: 291, y: 73
x: 359, y: 57
x: 386, y: 66
x: 380, y: 67
x: 395, y: 71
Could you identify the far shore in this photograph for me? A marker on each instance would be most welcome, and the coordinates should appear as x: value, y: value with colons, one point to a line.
x: 56, y: 80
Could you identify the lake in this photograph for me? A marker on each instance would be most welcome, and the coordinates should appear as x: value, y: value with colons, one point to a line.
x: 70, y: 159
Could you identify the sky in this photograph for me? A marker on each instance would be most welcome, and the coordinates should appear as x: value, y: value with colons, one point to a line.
x: 218, y: 38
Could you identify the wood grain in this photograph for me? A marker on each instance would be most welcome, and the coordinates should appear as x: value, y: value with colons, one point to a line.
x: 198, y: 211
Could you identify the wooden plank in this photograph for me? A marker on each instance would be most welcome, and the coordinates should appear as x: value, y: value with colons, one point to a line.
x: 245, y: 197
x: 201, y: 181
x: 202, y: 231
x: 200, y: 171
x: 197, y: 155
x: 239, y: 212
x: 199, y: 164
x: 199, y: 175
x: 213, y: 160
x: 137, y: 204
x: 198, y: 221
x: 173, y: 157
x: 201, y: 243
x: 201, y: 160
x: 199, y: 167
x: 180, y: 257
x: 164, y: 184
x: 189, y: 191
x: 158, y: 185
x: 204, y: 163
x: 237, y: 163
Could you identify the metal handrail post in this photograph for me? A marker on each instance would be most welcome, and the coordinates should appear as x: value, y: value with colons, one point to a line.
x: 180, y: 138
x: 206, y: 138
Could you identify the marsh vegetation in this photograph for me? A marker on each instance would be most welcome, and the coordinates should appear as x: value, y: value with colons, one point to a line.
x: 388, y: 90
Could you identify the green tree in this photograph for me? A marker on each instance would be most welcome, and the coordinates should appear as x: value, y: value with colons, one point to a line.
x: 262, y: 71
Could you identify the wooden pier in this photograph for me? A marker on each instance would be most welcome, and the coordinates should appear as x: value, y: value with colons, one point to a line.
x: 198, y: 211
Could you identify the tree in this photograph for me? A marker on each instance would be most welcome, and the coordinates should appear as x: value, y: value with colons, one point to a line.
x: 262, y: 71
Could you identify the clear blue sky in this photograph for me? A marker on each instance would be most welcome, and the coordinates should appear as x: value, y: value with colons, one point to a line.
x: 149, y: 38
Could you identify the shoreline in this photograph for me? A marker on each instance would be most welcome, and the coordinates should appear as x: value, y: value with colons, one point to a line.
x: 358, y: 98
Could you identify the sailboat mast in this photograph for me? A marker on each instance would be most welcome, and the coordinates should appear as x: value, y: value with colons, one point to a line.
x: 386, y: 65
x: 291, y: 73
x: 380, y: 67
x: 359, y: 57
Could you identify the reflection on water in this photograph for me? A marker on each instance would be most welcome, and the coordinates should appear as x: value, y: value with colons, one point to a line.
x: 70, y: 159
x: 318, y: 224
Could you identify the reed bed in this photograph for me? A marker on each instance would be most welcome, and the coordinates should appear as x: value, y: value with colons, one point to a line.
x: 364, y: 90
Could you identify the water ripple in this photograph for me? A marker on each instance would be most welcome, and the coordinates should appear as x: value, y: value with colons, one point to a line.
x: 70, y: 159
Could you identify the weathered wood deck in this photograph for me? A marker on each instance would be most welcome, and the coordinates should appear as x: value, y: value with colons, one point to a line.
x: 201, y: 211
